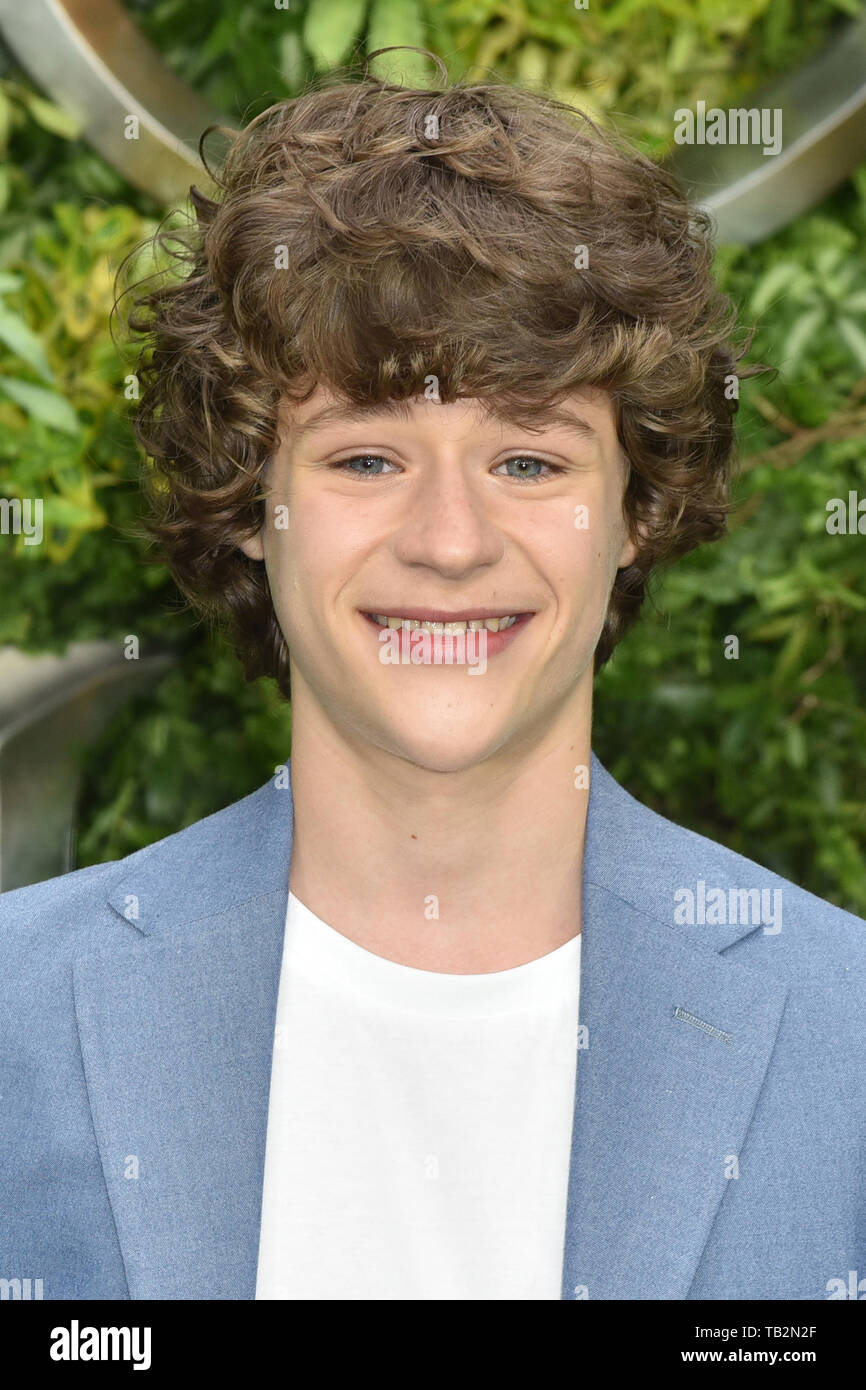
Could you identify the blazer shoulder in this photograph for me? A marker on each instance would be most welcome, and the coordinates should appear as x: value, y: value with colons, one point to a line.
x: 667, y: 871
x: 64, y: 916
x: 71, y: 909
x: 58, y: 916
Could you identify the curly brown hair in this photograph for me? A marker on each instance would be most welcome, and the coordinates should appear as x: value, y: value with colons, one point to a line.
x: 369, y: 235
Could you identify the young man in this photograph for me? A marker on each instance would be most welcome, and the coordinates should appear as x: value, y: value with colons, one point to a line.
x: 440, y: 1012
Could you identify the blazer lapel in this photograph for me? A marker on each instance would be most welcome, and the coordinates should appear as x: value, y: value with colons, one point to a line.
x: 663, y: 1102
x: 176, y: 1023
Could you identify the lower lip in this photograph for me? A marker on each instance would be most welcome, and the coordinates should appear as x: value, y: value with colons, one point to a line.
x: 447, y: 645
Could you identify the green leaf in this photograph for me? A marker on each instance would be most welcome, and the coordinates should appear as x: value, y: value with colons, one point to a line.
x: 855, y: 338
x: 827, y: 259
x: 5, y: 118
x: 778, y: 278
x: 20, y: 339
x: 52, y: 117
x: 682, y: 50
x: 330, y: 29
x: 221, y: 37
x: 531, y: 63
x: 46, y: 406
x: 292, y: 66
x: 75, y: 516
x: 795, y: 746
x: 798, y: 339
x: 398, y: 22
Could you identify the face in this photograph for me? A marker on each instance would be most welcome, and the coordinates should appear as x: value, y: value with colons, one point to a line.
x: 438, y: 513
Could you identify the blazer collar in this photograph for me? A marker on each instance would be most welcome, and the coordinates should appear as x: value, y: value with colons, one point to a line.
x: 176, y: 1020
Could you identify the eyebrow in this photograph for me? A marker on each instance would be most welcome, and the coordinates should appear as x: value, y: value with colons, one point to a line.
x: 401, y: 410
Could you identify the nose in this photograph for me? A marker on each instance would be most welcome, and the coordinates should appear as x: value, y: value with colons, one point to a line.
x: 446, y: 525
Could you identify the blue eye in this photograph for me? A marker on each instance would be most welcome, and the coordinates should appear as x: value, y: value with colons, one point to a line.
x: 363, y: 459
x: 374, y: 466
x: 522, y: 459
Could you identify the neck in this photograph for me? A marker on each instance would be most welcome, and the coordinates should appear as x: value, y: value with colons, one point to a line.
x: 461, y: 873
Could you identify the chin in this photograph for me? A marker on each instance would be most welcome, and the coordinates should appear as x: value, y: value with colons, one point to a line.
x: 443, y: 760
x: 440, y: 743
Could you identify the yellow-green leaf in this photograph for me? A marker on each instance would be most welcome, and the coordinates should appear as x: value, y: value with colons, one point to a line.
x: 46, y: 406
x: 52, y: 117
x: 21, y: 340
x: 330, y: 29
x: 398, y: 22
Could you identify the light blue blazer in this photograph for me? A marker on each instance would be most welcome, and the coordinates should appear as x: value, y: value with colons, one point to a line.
x: 719, y: 1143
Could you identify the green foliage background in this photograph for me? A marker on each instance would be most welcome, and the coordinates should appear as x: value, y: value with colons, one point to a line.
x: 766, y: 753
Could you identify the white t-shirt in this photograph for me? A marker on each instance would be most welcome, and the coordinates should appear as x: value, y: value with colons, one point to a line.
x: 419, y: 1125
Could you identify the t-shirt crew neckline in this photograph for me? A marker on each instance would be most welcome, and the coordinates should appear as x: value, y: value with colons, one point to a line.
x: 320, y: 951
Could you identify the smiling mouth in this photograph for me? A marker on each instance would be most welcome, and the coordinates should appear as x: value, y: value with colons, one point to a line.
x: 447, y: 624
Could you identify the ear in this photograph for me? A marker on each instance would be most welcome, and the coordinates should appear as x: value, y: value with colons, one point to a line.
x: 630, y: 546
x: 253, y: 547
x: 628, y: 554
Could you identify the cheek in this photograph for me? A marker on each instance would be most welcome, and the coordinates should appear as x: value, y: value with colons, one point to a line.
x: 584, y: 568
x: 318, y: 549
x: 584, y: 556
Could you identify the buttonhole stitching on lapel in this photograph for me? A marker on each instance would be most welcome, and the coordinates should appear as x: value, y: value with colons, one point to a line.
x: 699, y: 1023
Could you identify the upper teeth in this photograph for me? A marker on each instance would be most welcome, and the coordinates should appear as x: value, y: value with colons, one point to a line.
x: 474, y: 624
